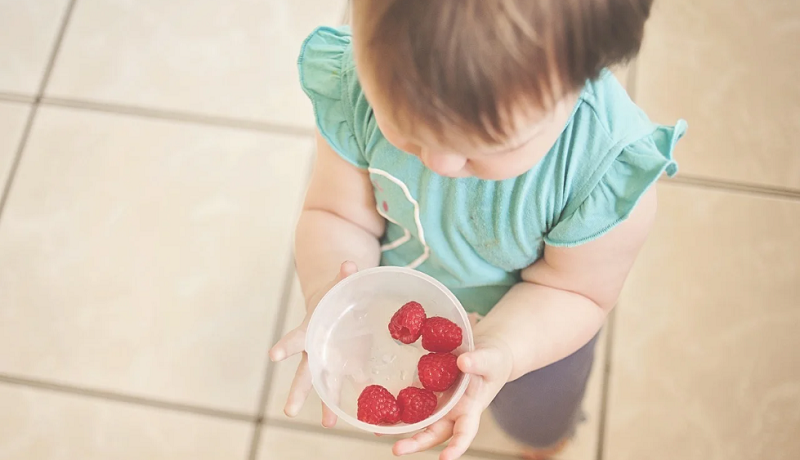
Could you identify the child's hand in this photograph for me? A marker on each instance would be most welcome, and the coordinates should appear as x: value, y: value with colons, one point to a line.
x: 294, y: 343
x: 490, y: 366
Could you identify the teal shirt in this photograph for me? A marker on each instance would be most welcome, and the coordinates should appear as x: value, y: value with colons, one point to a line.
x: 473, y: 235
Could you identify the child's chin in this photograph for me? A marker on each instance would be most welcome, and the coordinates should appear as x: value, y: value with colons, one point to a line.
x: 496, y: 177
x: 483, y: 175
x: 459, y: 175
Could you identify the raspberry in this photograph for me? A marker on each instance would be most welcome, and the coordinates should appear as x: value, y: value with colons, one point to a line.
x: 377, y: 406
x: 416, y: 404
x: 407, y: 322
x: 440, y: 335
x: 438, y: 371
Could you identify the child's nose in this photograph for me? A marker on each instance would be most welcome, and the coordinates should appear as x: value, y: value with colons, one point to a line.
x: 443, y: 163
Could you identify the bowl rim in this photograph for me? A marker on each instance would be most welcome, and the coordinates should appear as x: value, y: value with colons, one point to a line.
x: 457, y: 393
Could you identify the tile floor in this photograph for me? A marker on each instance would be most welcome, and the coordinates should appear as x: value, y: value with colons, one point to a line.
x: 152, y: 159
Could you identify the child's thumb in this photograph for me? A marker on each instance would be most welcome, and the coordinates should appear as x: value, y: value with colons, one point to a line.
x: 347, y: 268
x: 480, y: 362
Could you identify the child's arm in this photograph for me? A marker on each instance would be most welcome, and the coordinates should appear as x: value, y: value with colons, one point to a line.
x: 567, y: 294
x: 339, y: 223
x: 560, y: 305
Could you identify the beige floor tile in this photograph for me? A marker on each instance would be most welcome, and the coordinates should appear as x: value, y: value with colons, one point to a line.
x: 12, y: 122
x: 216, y: 57
x: 147, y: 257
x: 283, y: 444
x: 490, y: 438
x: 705, y: 363
x: 43, y: 425
x: 28, y: 31
x: 731, y: 69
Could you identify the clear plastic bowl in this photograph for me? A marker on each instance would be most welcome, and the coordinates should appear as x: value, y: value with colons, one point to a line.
x: 349, y: 345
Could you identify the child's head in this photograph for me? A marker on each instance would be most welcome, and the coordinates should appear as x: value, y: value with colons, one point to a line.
x: 484, y: 87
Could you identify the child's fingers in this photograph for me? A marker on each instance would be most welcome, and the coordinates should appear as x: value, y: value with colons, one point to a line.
x: 294, y: 343
x: 301, y: 387
x: 474, y: 318
x: 346, y: 269
x: 329, y: 418
x: 483, y: 362
x: 486, y: 362
x: 430, y: 437
x: 290, y: 344
x: 464, y: 432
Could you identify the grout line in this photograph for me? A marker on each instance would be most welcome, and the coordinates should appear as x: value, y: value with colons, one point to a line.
x: 14, y: 97
x: 255, y: 439
x: 683, y: 179
x: 152, y: 112
x: 15, y: 162
x: 604, y: 404
x: 123, y: 398
x: 12, y: 171
x: 710, y: 183
x: 722, y: 185
x: 305, y: 132
x: 487, y: 454
x: 280, y: 323
x: 365, y: 437
x: 277, y: 331
x: 293, y: 425
x: 51, y: 62
x: 173, y: 115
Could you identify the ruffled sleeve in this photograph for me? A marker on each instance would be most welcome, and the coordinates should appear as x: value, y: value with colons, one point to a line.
x: 324, y: 67
x: 612, y: 198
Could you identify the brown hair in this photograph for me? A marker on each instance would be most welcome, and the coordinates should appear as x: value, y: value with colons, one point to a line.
x: 468, y: 64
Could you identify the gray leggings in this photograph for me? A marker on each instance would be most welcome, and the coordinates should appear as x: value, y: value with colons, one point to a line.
x: 543, y: 407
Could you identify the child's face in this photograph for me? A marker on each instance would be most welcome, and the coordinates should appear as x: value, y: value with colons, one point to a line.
x: 533, y: 136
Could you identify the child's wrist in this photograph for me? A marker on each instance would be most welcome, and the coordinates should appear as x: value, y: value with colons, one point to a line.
x: 495, y: 341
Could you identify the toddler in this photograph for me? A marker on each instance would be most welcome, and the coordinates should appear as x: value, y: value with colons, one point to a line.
x: 485, y: 143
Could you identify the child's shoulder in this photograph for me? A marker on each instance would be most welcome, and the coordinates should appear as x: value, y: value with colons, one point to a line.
x: 606, y: 100
x: 327, y: 75
x: 329, y: 46
x: 608, y: 156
